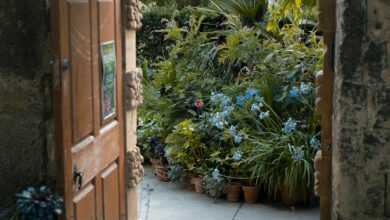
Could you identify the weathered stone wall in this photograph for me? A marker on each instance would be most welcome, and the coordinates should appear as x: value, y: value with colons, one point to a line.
x: 25, y: 100
x: 361, y: 133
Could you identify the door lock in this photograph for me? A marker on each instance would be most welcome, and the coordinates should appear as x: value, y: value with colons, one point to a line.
x: 65, y: 65
x: 77, y: 178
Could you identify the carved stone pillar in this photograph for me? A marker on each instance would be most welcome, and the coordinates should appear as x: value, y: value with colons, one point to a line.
x: 324, y: 106
x: 133, y: 98
x: 133, y: 15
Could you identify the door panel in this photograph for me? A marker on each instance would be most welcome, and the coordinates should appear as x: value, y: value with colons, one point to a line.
x: 89, y: 119
x: 84, y: 204
x: 96, y: 154
x: 81, y: 73
x: 110, y: 186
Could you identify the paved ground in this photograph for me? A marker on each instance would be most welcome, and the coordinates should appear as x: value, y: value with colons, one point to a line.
x: 167, y: 201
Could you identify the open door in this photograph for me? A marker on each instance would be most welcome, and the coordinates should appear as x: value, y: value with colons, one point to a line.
x: 88, y: 108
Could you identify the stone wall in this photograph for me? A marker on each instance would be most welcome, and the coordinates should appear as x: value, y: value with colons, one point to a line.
x: 361, y: 133
x: 25, y: 100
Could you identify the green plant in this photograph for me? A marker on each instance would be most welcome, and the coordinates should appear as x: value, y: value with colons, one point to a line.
x: 38, y: 204
x: 249, y: 11
x: 185, y: 147
x: 235, y: 96
x: 214, y: 183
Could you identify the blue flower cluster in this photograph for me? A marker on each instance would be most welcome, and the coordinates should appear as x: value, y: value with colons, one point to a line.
x: 294, y: 92
x: 315, y: 143
x: 220, y: 99
x: 250, y: 94
x: 297, y: 154
x: 216, y: 175
x: 264, y: 115
x: 235, y: 134
x: 289, y: 126
x: 218, y: 120
x: 304, y: 89
x: 237, y: 155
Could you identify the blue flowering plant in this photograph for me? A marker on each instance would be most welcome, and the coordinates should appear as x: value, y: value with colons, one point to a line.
x: 284, y: 159
x: 38, y: 203
x: 214, y: 183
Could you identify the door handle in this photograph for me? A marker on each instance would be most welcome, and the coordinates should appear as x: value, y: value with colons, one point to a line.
x: 77, y: 178
x: 65, y: 65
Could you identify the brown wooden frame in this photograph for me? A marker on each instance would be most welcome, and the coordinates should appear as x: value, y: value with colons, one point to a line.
x: 324, y: 105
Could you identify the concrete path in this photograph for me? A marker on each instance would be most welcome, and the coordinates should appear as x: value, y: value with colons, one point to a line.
x: 168, y: 201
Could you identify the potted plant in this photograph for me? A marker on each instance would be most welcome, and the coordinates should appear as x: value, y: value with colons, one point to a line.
x: 38, y: 203
x: 233, y: 191
x: 197, y: 182
x: 158, y: 160
x: 214, y: 183
x: 184, y: 147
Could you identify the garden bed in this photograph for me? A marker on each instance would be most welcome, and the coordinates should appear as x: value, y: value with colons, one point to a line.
x: 230, y: 101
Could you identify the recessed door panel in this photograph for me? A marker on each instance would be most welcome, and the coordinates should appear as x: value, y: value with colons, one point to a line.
x: 80, y: 70
x: 84, y: 204
x: 110, y: 188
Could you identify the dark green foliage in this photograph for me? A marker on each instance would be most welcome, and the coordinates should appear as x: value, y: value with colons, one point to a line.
x: 38, y: 203
x: 150, y: 40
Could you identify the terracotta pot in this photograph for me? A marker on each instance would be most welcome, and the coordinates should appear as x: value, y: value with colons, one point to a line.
x: 233, y: 192
x: 299, y: 196
x: 160, y: 170
x: 197, y: 182
x: 251, y: 194
x: 187, y: 183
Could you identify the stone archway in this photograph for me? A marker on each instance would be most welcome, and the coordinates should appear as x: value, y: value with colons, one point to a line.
x: 353, y: 100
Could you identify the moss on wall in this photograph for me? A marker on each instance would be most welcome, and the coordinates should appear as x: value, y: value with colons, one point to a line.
x: 25, y: 99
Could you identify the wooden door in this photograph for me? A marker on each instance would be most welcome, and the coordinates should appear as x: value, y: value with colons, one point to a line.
x: 88, y: 101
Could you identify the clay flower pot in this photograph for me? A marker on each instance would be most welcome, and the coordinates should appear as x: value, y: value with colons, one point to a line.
x: 160, y: 170
x: 233, y: 192
x: 251, y: 194
x: 299, y: 196
x: 197, y: 182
